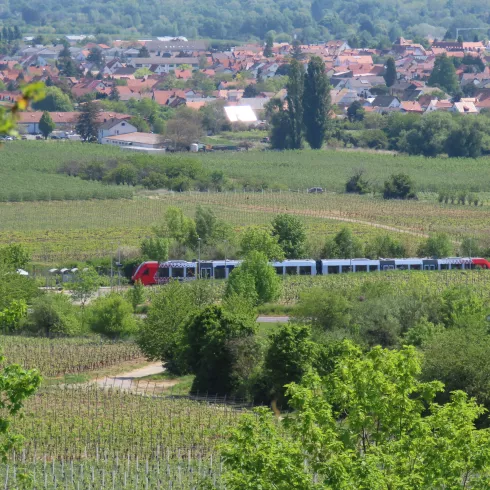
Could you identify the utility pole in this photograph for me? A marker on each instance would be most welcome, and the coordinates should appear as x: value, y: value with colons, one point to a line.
x: 199, y: 258
x: 226, y: 258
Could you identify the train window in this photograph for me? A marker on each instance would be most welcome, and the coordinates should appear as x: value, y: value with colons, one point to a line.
x: 177, y: 272
x: 333, y: 269
x: 147, y: 272
x: 346, y: 268
x: 205, y: 273
x: 219, y: 273
x: 388, y: 267
x: 373, y: 268
x: 402, y: 267
x: 456, y: 266
x: 279, y: 270
x: 444, y: 267
x: 291, y: 270
x: 361, y: 268
x: 305, y: 270
x: 191, y: 272
x: 164, y: 272
x: 415, y: 267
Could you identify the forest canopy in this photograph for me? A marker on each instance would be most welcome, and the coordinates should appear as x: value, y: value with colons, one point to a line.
x: 366, y: 22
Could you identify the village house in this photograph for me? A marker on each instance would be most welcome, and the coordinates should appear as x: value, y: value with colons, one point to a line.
x: 115, y: 127
x: 163, y: 65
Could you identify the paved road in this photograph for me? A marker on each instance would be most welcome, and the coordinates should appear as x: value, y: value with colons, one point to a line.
x: 272, y: 319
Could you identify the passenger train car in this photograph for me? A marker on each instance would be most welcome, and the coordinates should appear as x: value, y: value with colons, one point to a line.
x: 150, y: 273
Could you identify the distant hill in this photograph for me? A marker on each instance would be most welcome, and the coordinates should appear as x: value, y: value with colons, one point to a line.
x: 368, y: 23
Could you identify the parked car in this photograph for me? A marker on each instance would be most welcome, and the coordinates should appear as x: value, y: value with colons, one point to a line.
x: 315, y: 190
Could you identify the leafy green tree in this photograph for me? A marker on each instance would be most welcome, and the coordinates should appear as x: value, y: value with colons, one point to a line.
x: 444, y: 75
x: 357, y: 184
x: 291, y: 235
x: 54, y: 101
x: 208, y: 337
x: 437, y: 245
x: 143, y: 53
x: 15, y: 256
x: 112, y: 316
x: 261, y: 240
x: 114, y: 94
x: 250, y: 91
x: 180, y: 227
x: 316, y: 103
x: 343, y: 246
x: 294, y: 100
x: 390, y: 72
x: 289, y: 357
x: 385, y: 246
x: 399, y: 186
x: 88, y: 122
x: 54, y: 314
x: 257, y: 270
x: 46, y: 125
x: 465, y: 140
x: 279, y: 123
x: 323, y: 310
x: 155, y: 248
x: 385, y: 414
x: 95, y: 56
x: 140, y: 124
x: 206, y: 223
x: 161, y: 336
x: 269, y: 44
x: 16, y: 385
x: 355, y: 112
x: 86, y: 284
x: 136, y: 295
x: 142, y: 73
x: 457, y: 357
x: 428, y: 136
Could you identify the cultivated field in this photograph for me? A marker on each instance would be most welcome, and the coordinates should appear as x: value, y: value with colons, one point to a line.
x: 73, y: 230
x: 30, y: 168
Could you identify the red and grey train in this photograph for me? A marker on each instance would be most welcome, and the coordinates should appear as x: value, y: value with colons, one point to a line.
x: 152, y: 272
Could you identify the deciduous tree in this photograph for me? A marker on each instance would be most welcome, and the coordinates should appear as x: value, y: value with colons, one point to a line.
x: 46, y: 124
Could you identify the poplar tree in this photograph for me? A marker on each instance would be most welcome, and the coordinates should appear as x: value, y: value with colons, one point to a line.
x: 316, y: 102
x: 294, y: 99
x: 390, y: 72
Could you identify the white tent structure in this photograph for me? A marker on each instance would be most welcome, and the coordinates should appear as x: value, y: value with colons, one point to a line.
x: 243, y: 114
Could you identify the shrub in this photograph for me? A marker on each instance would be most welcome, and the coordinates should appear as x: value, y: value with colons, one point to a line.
x: 54, y: 314
x: 399, y: 186
x: 357, y: 184
x: 112, y: 316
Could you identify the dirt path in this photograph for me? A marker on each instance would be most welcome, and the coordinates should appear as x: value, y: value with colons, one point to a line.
x: 317, y: 214
x: 131, y: 381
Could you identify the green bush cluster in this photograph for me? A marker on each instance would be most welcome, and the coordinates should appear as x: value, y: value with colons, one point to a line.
x: 148, y: 171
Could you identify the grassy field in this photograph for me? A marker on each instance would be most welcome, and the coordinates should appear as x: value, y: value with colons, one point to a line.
x: 73, y: 230
x: 29, y: 171
x: 31, y: 167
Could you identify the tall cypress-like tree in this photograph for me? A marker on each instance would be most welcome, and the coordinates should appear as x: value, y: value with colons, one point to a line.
x: 269, y: 43
x: 316, y: 102
x: 294, y: 99
x: 87, y: 125
x: 390, y: 72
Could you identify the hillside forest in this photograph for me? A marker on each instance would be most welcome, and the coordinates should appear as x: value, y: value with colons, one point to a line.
x: 367, y: 23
